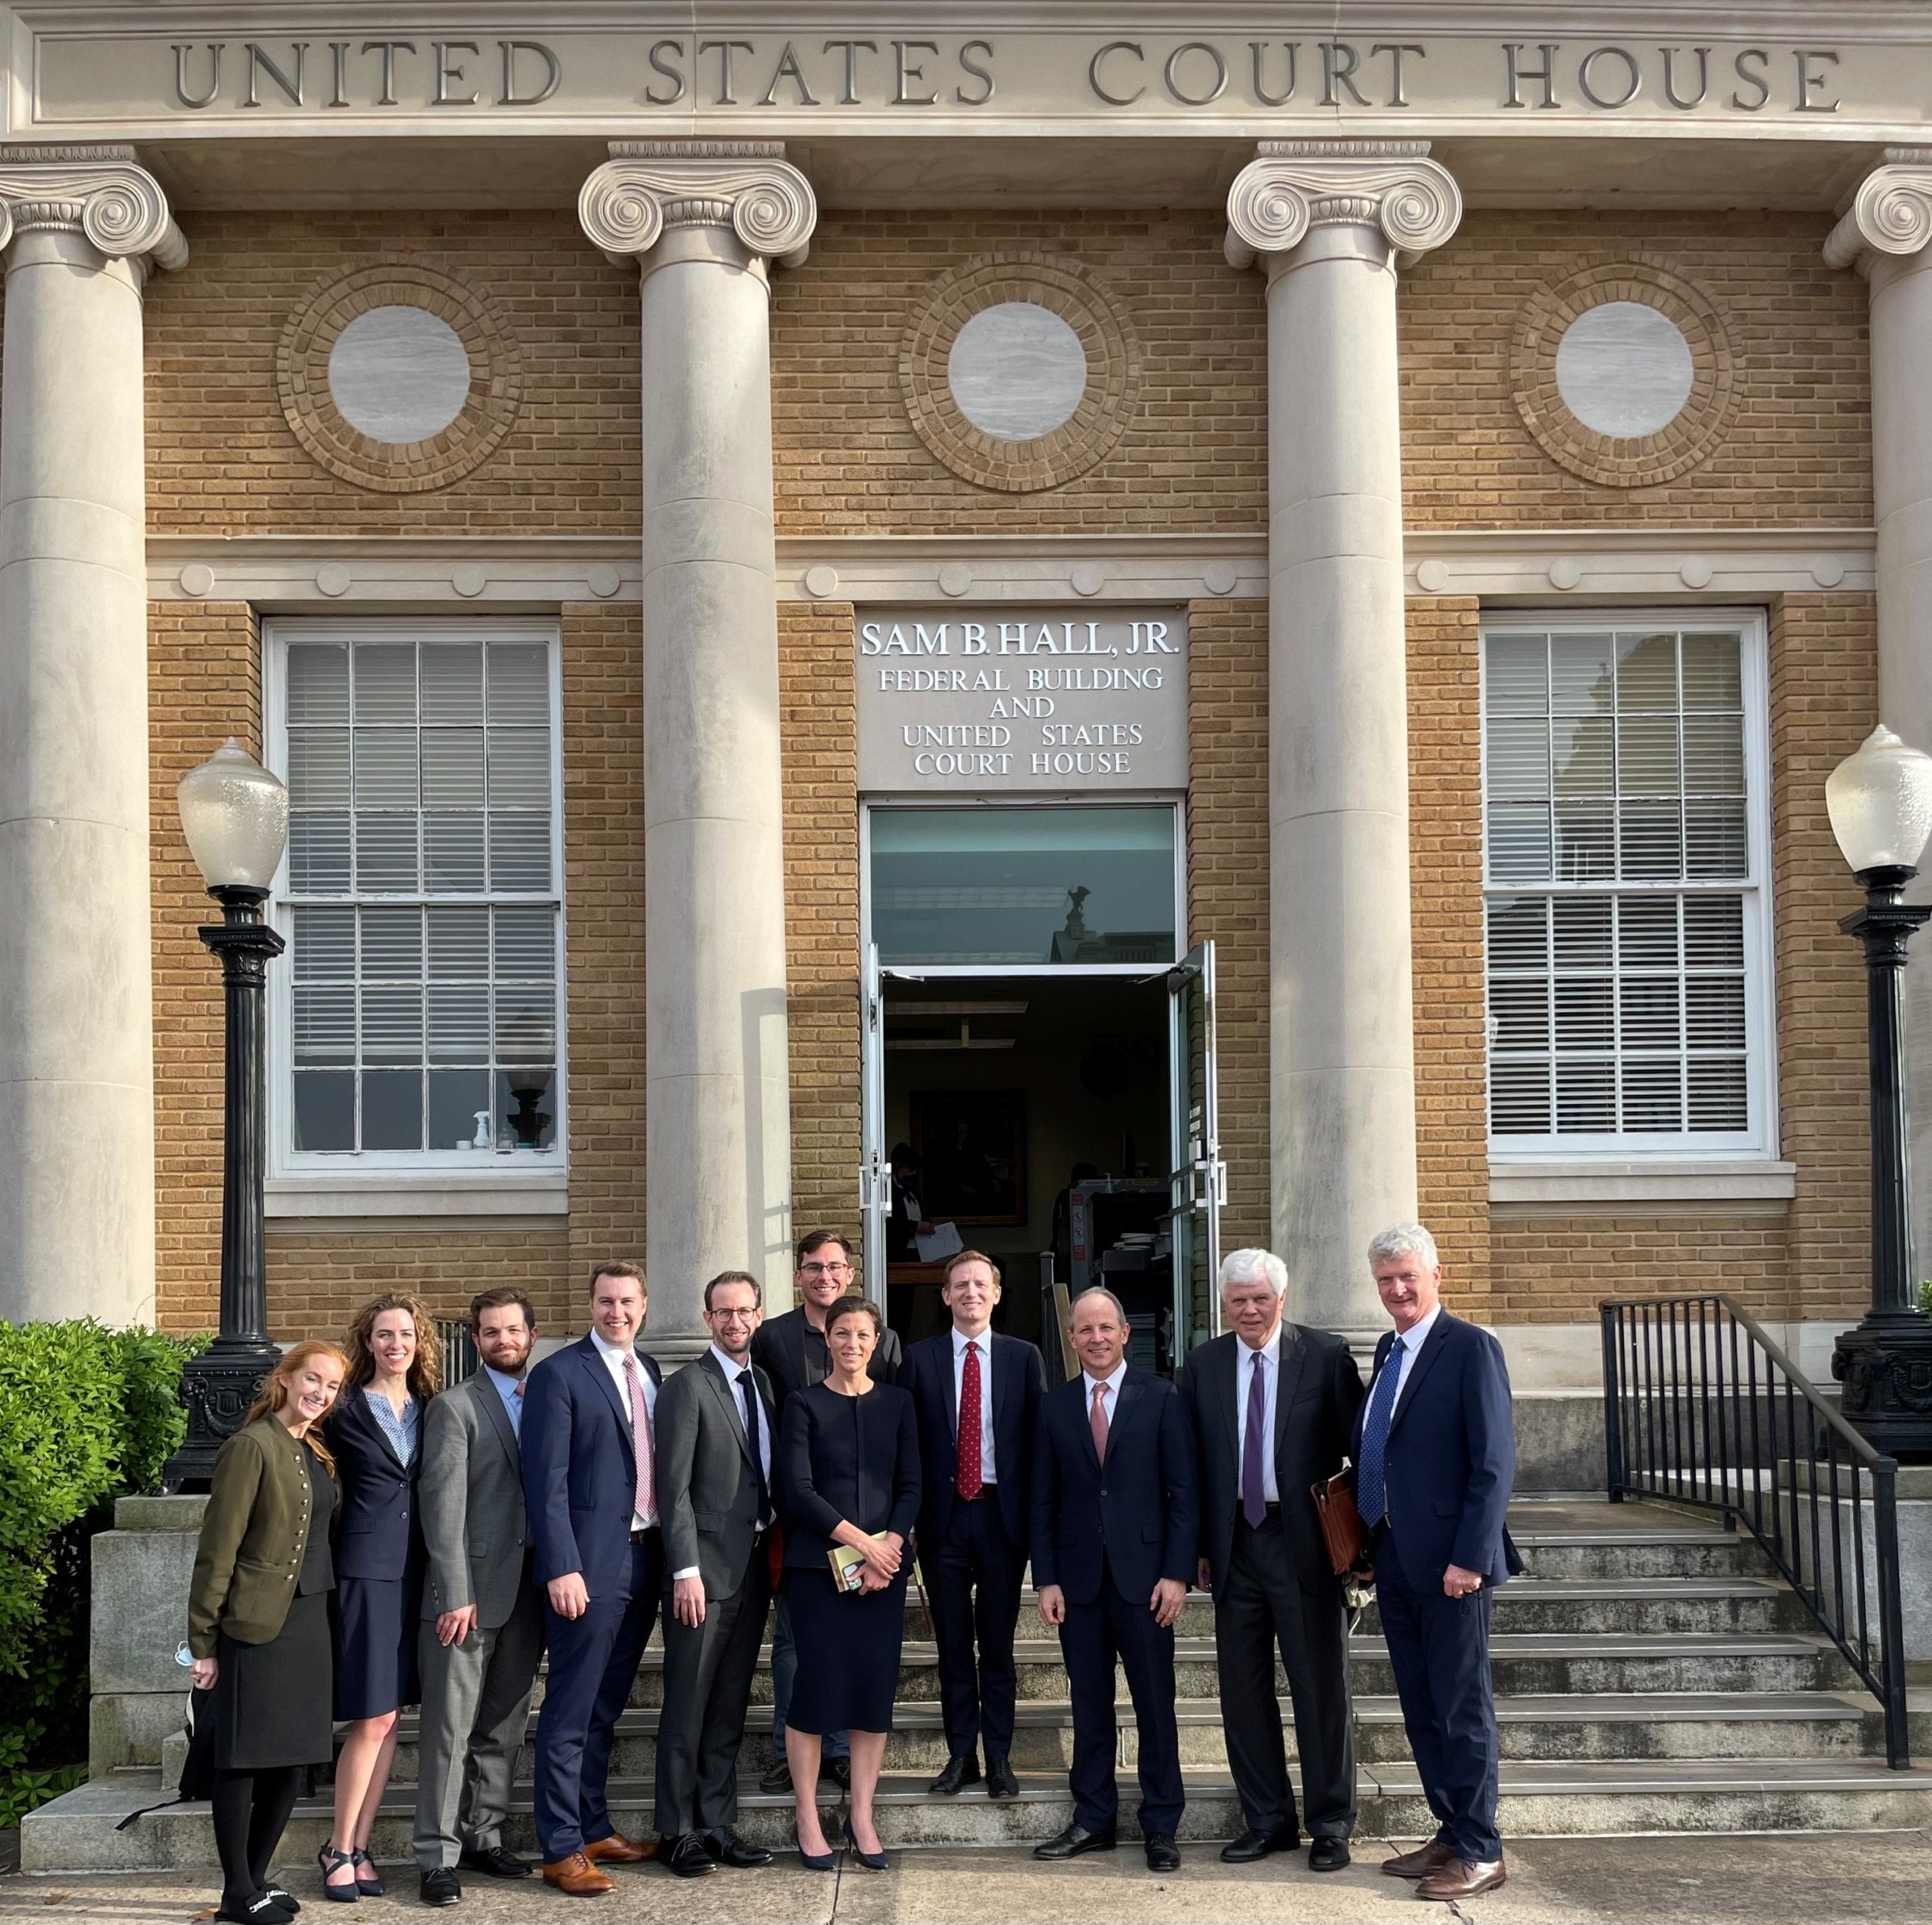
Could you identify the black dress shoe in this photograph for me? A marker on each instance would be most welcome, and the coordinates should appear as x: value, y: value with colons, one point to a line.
x: 962, y: 1769
x: 1253, y: 1845
x: 440, y: 1885
x: 726, y: 1847
x: 839, y: 1770
x: 1162, y: 1854
x: 1076, y: 1840
x: 289, y: 1903
x: 1001, y: 1782
x: 494, y: 1862
x: 260, y: 1909
x: 684, y: 1856
x: 1328, y: 1854
x: 778, y: 1778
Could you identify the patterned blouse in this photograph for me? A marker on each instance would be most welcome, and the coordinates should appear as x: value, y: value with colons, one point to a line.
x: 401, y: 1431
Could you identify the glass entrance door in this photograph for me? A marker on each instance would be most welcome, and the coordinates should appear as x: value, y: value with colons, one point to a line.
x: 1200, y: 1178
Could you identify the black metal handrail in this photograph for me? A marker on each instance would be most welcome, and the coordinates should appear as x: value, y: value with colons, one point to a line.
x: 1701, y: 1408
x: 459, y: 1348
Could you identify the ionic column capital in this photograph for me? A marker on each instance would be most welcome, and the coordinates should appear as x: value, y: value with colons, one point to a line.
x: 1891, y: 213
x: 747, y: 186
x: 101, y: 192
x: 1292, y: 185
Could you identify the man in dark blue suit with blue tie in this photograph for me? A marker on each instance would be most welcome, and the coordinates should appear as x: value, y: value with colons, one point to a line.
x: 1116, y: 1527
x: 977, y: 1396
x: 589, y: 1481
x: 1435, y: 1455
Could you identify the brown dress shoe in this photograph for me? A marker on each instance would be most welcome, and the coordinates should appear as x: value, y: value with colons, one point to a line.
x: 1461, y: 1878
x: 576, y: 1878
x: 617, y: 1850
x: 1420, y: 1862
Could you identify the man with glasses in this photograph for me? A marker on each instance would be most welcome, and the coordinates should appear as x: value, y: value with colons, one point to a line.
x: 716, y: 1422
x: 791, y: 1351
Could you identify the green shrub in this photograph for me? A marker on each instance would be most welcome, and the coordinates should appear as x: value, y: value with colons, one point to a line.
x: 87, y: 1415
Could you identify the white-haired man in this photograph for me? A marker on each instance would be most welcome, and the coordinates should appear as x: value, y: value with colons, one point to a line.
x: 1435, y: 1455
x: 1273, y: 1406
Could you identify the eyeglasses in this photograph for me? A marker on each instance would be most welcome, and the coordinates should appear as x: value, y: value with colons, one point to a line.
x: 824, y: 1269
x: 734, y: 1316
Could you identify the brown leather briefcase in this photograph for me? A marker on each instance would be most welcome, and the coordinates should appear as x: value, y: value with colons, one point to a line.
x: 1342, y: 1527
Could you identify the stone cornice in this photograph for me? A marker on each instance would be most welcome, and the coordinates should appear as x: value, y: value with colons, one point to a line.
x: 99, y: 192
x: 1890, y: 213
x: 747, y: 185
x: 1292, y: 185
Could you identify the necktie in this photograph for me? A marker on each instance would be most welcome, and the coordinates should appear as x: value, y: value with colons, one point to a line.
x: 748, y: 1391
x: 646, y: 1506
x: 1096, y: 1422
x: 516, y: 1409
x: 967, y: 1481
x: 1254, y: 1503
x: 1371, y: 1489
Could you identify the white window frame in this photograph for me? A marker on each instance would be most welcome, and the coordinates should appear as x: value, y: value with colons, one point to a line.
x: 1689, y: 1165
x: 361, y: 1183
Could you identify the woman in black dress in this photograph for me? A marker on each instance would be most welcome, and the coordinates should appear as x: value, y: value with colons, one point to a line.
x: 394, y: 1370
x: 260, y: 1643
x: 848, y: 1467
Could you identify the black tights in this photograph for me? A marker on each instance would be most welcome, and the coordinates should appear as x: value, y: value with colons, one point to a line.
x: 251, y: 1811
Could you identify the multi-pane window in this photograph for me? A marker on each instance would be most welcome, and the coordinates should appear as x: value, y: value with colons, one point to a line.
x: 1624, y: 848
x: 421, y: 897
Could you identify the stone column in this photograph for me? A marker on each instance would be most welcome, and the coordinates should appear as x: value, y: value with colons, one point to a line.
x: 1885, y: 234
x: 704, y: 219
x: 1329, y: 220
x: 80, y: 227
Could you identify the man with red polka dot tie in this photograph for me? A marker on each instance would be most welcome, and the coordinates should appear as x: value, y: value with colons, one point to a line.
x: 977, y: 1396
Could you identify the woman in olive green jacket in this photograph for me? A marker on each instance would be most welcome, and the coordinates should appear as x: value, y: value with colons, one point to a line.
x: 258, y: 1627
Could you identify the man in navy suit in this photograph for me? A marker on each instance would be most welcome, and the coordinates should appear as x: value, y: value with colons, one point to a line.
x: 589, y: 1480
x: 1435, y: 1454
x: 1115, y: 1533
x: 977, y: 1396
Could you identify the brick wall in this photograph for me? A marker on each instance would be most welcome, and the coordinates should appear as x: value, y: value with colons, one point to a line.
x: 821, y: 802
x: 1797, y: 448
x: 1549, y: 1268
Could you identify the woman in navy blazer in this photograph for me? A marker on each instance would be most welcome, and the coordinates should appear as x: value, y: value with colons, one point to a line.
x: 394, y: 1369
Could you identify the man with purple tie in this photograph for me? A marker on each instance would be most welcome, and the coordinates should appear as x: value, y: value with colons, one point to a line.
x: 1273, y: 1406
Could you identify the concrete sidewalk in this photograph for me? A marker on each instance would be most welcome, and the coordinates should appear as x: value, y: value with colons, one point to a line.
x: 1841, y: 1878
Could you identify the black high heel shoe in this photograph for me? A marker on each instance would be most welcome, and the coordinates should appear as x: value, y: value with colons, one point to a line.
x: 871, y: 1861
x: 814, y: 1861
x: 334, y: 1861
x: 367, y: 1883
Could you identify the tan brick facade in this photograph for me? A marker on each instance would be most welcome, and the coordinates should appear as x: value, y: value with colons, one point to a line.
x: 1795, y: 452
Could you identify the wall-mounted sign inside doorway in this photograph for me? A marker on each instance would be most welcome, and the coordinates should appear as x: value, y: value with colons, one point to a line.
x: 999, y: 699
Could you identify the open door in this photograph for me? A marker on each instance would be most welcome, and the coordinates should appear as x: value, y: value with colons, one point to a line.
x: 875, y: 1172
x: 1200, y: 1178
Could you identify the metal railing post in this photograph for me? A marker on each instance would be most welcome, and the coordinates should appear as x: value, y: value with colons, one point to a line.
x: 1613, y: 1403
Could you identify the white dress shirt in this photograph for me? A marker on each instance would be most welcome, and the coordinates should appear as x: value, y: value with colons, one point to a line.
x: 614, y: 1356
x: 1408, y: 1347
x: 1267, y: 1360
x: 985, y: 1342
x: 761, y: 1443
x: 1109, y: 1403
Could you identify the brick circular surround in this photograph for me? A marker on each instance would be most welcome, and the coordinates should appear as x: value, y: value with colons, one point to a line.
x: 1616, y: 461
x: 1063, y: 287
x: 301, y: 377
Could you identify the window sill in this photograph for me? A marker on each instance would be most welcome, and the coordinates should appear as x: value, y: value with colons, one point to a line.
x: 511, y: 1189
x: 1619, y: 1180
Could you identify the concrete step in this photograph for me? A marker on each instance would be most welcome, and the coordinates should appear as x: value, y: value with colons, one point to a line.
x: 75, y: 1833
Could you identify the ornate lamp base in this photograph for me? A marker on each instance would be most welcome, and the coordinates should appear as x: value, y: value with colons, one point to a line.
x: 1885, y: 1364
x: 217, y: 1387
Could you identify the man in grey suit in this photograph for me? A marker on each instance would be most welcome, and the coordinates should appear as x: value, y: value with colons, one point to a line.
x: 482, y: 1634
x: 716, y: 1422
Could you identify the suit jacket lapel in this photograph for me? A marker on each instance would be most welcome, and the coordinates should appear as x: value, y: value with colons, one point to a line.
x: 592, y: 1360
x: 1291, y: 1359
x: 1125, y: 1401
x: 722, y: 1389
x: 1083, y: 1399
x: 487, y: 1395
x: 373, y: 1424
x: 1432, y: 1348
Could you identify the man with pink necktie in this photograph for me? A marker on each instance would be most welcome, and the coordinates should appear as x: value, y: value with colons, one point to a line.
x: 589, y: 1480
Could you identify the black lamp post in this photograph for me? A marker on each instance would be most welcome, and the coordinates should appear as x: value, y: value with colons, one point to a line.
x: 1880, y: 805
x: 236, y: 815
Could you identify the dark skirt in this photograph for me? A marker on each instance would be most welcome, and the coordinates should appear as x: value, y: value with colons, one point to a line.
x: 271, y: 1702
x: 376, y: 1624
x: 848, y: 1653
